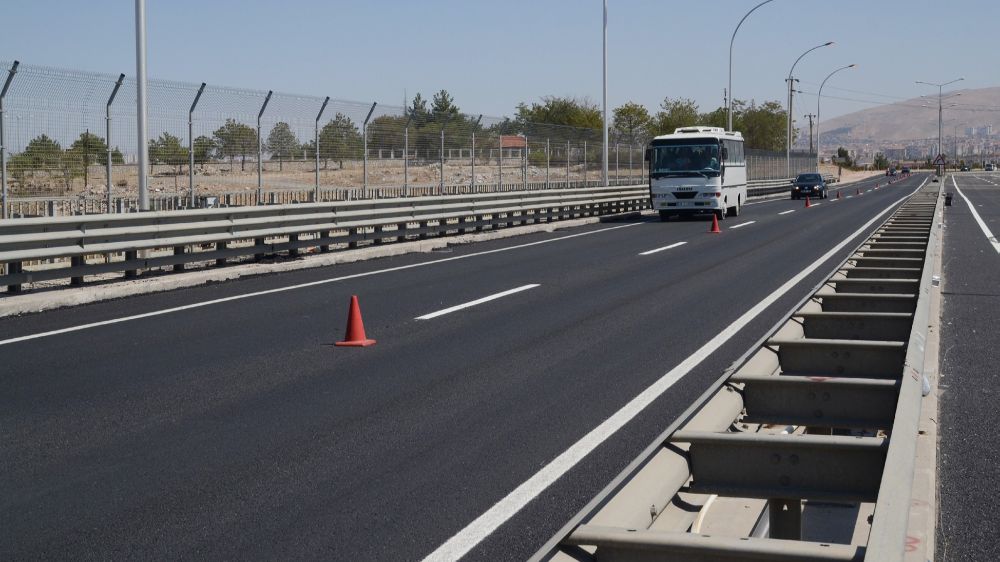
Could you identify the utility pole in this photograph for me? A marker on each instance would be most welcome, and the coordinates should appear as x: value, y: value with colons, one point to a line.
x: 810, y: 116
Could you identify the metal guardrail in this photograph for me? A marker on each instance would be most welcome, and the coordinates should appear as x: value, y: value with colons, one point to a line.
x: 824, y: 410
x: 115, y: 241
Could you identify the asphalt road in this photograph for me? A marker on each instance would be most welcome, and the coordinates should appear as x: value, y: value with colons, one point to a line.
x: 969, y: 472
x: 235, y: 430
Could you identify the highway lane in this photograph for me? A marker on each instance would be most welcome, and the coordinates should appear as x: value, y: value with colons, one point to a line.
x: 970, y: 381
x: 236, y: 430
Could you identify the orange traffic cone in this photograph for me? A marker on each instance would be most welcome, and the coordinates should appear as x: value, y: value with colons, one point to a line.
x: 807, y: 202
x: 355, y: 336
x: 715, y: 225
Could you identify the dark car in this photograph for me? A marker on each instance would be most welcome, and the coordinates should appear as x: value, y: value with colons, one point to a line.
x: 906, y: 170
x: 809, y: 185
x: 964, y: 169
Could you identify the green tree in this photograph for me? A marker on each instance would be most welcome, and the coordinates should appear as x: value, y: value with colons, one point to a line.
x: 204, y: 149
x: 846, y: 157
x: 881, y: 162
x: 88, y: 149
x: 340, y: 138
x: 763, y: 126
x: 631, y: 123
x: 675, y: 113
x: 236, y: 139
x: 565, y: 111
x: 282, y: 143
x: 167, y: 149
x: 443, y: 107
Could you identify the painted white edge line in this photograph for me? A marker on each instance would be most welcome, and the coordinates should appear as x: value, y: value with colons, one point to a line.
x: 848, y: 197
x: 742, y: 224
x: 477, y: 301
x: 484, y: 525
x: 302, y: 286
x: 975, y: 214
x: 786, y: 212
x: 661, y: 249
x: 815, y: 204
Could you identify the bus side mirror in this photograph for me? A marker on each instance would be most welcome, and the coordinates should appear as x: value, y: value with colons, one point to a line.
x: 725, y: 153
x: 648, y: 155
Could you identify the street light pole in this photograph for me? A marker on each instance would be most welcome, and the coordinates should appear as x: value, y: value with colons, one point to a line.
x: 729, y: 111
x: 819, y: 96
x: 791, y: 91
x: 140, y: 102
x: 940, y: 88
x: 604, y: 129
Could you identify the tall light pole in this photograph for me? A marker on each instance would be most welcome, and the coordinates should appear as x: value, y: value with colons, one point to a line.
x: 819, y: 96
x: 729, y: 109
x: 140, y: 102
x: 940, y: 88
x: 604, y: 129
x: 791, y: 91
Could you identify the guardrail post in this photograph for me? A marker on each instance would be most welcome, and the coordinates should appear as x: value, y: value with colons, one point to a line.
x: 74, y: 262
x: 316, y: 147
x: 107, y: 134
x: 131, y: 256
x: 785, y: 516
x: 259, y: 243
x: 293, y: 251
x: 221, y: 247
x: 179, y: 251
x: 14, y: 268
x: 260, y: 152
x: 194, y: 104
x: 3, y: 145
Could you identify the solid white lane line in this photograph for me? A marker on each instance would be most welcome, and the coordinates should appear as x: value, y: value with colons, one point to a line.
x: 484, y: 525
x: 848, y: 197
x: 661, y: 249
x: 303, y: 285
x: 786, y: 212
x: 741, y: 225
x: 815, y: 204
x: 477, y: 301
x: 975, y: 214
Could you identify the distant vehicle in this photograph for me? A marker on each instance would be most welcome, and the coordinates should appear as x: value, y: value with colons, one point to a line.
x: 890, y: 172
x: 964, y: 169
x: 807, y: 185
x: 990, y: 168
x: 697, y: 170
x: 935, y: 180
x: 906, y: 170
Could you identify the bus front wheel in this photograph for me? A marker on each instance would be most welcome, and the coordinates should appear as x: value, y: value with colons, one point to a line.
x: 664, y: 216
x: 720, y: 214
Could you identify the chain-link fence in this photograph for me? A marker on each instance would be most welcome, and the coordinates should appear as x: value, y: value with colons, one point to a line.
x: 70, y: 142
x: 72, y: 147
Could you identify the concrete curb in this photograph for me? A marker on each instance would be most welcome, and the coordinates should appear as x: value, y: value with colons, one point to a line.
x: 117, y: 288
x: 922, y: 526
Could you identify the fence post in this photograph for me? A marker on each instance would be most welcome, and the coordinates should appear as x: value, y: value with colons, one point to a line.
x: 584, y: 163
x: 260, y: 152
x: 3, y: 146
x: 364, y: 132
x: 316, y: 147
x: 524, y: 164
x: 547, y: 162
x: 406, y: 156
x: 616, y: 165
x: 567, y: 164
x: 500, y: 161
x: 441, y: 164
x: 630, y: 174
x: 107, y: 133
x: 474, y: 129
x: 190, y: 144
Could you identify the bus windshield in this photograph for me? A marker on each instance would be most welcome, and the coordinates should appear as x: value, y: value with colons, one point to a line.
x: 701, y: 158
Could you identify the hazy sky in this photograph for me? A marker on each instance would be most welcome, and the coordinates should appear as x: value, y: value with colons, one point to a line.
x: 492, y: 55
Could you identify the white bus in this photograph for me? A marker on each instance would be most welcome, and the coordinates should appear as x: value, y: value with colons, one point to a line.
x: 697, y: 170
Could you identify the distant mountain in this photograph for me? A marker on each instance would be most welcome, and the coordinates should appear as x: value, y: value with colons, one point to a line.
x: 906, y: 120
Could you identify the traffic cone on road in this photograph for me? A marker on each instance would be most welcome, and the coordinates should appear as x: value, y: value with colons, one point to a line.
x: 715, y: 225
x: 807, y: 202
x: 355, y: 336
x: 859, y: 192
